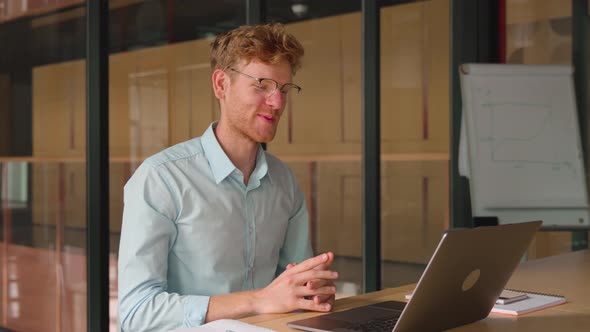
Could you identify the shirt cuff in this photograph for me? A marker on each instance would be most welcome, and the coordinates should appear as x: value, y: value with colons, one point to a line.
x: 195, y: 310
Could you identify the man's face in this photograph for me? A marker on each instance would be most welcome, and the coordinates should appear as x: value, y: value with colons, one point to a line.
x: 246, y: 110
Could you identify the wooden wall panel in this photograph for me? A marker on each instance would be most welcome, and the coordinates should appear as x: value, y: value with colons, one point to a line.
x: 414, y: 209
x: 339, y: 224
x: 171, y: 85
x: 149, y: 111
x: 351, y: 54
x: 314, y: 123
x: 414, y: 197
x: 402, y: 71
x: 193, y: 105
x: 45, y: 199
x: 139, y: 102
x: 438, y: 75
x: 73, y: 185
x: 59, y: 110
x: 415, y: 78
x: 119, y: 119
x: 520, y: 11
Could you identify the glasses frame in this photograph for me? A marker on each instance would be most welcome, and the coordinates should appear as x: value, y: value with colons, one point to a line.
x: 278, y: 86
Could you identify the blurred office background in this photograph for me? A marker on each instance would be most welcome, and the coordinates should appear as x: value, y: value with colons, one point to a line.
x: 160, y: 94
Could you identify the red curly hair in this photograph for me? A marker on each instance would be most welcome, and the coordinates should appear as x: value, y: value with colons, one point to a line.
x: 269, y: 43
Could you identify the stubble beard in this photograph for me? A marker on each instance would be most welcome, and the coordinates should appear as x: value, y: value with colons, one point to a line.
x: 247, y: 130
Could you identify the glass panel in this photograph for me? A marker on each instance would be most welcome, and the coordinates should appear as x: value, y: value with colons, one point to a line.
x: 159, y: 86
x: 320, y: 134
x: 540, y: 32
x: 414, y: 136
x: 42, y: 169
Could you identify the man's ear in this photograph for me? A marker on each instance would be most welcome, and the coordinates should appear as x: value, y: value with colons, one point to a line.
x: 220, y: 82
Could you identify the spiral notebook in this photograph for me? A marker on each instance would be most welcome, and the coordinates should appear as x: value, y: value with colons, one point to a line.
x: 533, y: 302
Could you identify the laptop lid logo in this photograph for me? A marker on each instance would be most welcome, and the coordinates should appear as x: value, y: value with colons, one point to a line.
x: 471, y: 280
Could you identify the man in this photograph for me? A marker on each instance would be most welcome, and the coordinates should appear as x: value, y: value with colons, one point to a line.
x: 212, y: 227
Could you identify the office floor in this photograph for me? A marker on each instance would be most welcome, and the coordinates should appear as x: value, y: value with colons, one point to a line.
x: 42, y: 290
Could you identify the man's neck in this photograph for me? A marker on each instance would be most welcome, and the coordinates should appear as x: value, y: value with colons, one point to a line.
x: 241, y: 150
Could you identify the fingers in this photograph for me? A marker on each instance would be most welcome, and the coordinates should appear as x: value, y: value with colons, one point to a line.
x: 327, y: 298
x: 322, y: 266
x: 309, y: 264
x: 317, y: 283
x: 327, y: 264
x: 321, y: 283
x: 309, y: 276
x: 325, y: 292
x: 311, y: 305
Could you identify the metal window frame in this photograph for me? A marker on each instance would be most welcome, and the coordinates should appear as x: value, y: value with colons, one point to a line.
x: 580, y: 54
x: 255, y: 11
x: 371, y: 152
x: 474, y: 39
x: 97, y: 165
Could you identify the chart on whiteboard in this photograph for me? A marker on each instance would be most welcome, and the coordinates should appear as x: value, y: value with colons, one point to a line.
x: 524, y: 148
x: 519, y: 133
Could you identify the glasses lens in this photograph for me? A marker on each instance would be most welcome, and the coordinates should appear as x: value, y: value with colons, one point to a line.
x: 267, y: 86
x: 290, y: 90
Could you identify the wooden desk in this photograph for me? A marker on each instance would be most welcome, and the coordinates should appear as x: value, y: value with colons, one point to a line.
x: 567, y: 274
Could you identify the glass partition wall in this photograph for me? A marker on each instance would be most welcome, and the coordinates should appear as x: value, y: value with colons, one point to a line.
x: 414, y: 136
x: 42, y: 166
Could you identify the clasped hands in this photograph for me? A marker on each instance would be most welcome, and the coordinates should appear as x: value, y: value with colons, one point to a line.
x: 308, y: 285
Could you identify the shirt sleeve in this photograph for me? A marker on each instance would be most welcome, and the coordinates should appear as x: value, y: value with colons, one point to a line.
x: 297, y: 245
x: 147, y: 235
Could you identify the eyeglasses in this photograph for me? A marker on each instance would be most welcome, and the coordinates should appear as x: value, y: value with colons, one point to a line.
x: 268, y: 86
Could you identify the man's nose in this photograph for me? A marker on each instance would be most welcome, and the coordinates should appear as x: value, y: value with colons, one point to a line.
x: 276, y: 100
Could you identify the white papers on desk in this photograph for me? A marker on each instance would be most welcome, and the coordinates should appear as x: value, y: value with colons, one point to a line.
x: 225, y: 325
x: 533, y: 302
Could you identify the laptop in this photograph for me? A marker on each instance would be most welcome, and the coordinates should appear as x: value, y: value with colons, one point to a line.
x: 466, y: 274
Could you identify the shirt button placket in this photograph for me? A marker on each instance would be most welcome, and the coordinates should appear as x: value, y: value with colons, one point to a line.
x: 251, y: 248
x: 252, y: 237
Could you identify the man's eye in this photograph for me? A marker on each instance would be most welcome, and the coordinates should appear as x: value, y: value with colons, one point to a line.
x: 262, y: 87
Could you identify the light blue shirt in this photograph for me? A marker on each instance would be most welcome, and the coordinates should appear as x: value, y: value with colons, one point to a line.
x: 192, y: 229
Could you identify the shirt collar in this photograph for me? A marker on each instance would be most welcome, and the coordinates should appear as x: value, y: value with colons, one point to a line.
x: 221, y: 165
x: 261, y: 168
